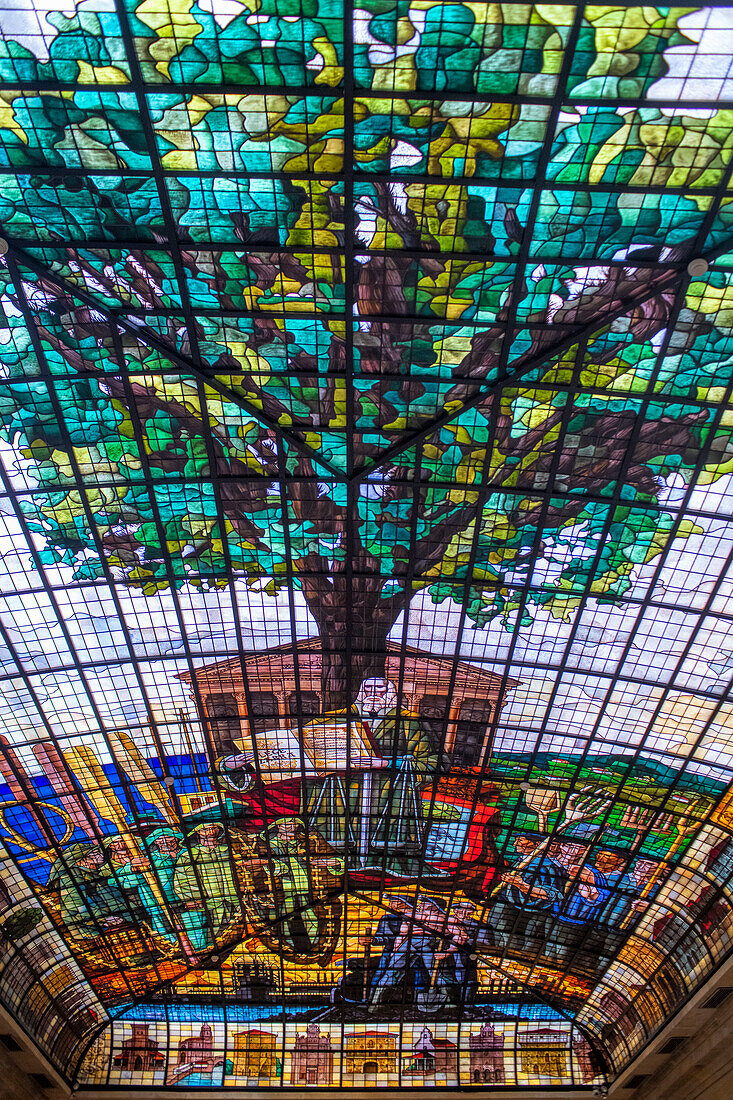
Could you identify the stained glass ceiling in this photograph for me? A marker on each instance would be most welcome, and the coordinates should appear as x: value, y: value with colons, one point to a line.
x: 365, y: 537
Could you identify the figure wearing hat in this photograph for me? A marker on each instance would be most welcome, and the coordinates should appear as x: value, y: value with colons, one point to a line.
x: 164, y: 846
x: 455, y: 965
x: 204, y: 879
x: 586, y: 894
x: 532, y: 888
x: 87, y: 897
x: 409, y: 944
x: 130, y: 872
x: 443, y: 945
x: 289, y: 867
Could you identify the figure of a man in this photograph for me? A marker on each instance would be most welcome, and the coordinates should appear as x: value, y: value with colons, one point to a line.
x: 460, y: 933
x: 396, y: 808
x: 678, y: 936
x: 626, y: 886
x: 385, y: 934
x: 612, y: 865
x: 586, y: 893
x: 89, y: 902
x: 204, y: 880
x: 531, y: 889
x: 134, y: 874
x: 395, y: 730
x: 587, y: 890
x: 164, y: 846
x: 283, y: 842
x: 687, y: 918
x: 409, y: 946
x: 719, y: 859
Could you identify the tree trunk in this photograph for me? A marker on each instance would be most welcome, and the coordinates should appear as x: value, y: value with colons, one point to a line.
x: 342, y: 674
x: 353, y: 634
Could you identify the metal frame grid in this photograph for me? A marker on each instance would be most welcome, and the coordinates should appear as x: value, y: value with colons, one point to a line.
x: 657, y: 279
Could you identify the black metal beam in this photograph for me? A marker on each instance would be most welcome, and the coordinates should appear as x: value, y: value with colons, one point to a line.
x: 520, y: 368
x: 146, y: 336
x: 362, y: 176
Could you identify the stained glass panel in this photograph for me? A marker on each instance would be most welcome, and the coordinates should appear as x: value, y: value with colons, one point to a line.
x: 365, y: 537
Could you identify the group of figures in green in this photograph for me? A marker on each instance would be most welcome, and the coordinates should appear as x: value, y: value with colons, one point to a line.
x: 97, y: 882
x: 247, y: 859
x: 191, y: 892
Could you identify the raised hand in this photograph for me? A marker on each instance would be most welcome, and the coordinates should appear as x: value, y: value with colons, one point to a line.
x: 583, y: 805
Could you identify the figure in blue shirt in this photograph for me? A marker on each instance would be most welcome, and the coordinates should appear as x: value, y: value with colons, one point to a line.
x: 625, y: 904
x: 577, y: 913
x: 409, y: 945
x: 521, y: 917
x: 626, y: 880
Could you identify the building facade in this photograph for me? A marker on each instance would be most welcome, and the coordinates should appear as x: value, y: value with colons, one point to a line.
x: 456, y: 701
x: 139, y: 1052
x: 197, y: 1048
x: 371, y: 1052
x: 312, y: 1058
x: 431, y: 1055
x: 255, y: 1054
x: 544, y: 1052
x: 486, y: 1050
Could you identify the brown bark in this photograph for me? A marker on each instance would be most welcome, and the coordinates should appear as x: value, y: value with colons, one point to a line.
x: 346, y: 598
x: 354, y: 645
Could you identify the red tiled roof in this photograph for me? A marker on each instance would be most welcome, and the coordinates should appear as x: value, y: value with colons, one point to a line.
x: 283, y: 654
x: 372, y: 1035
x: 547, y: 1033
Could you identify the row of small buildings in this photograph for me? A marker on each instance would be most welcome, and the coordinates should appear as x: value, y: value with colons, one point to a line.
x: 258, y: 1054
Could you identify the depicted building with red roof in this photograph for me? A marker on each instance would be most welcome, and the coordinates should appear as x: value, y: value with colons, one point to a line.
x: 236, y: 698
x: 432, y: 1055
x: 139, y: 1052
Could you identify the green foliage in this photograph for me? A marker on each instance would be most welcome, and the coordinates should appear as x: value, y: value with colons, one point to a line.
x: 262, y: 234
